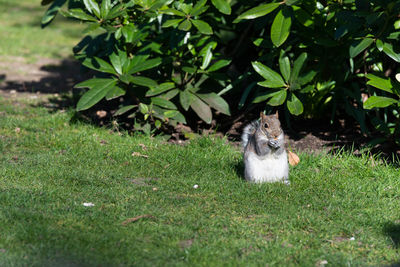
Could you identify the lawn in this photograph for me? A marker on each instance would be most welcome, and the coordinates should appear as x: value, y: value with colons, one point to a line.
x: 339, y: 208
x: 23, y: 37
x: 74, y: 194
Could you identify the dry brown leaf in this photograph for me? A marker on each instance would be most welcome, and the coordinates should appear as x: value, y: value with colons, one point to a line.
x: 137, y: 154
x: 293, y: 159
x: 143, y: 146
x: 101, y: 113
x: 135, y: 219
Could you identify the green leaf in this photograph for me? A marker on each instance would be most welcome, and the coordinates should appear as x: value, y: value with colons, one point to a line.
x: 223, y: 6
x: 359, y: 46
x: 258, y: 11
x: 171, y: 11
x: 105, y: 8
x: 171, y: 113
x: 202, y: 26
x: 143, y: 81
x: 144, y: 109
x: 98, y: 90
x: 245, y: 94
x: 303, y: 17
x: 118, y: 61
x: 278, y: 98
x: 52, y: 12
x: 379, y: 102
x: 170, y: 94
x: 164, y: 103
x: 294, y: 105
x: 99, y: 65
x: 185, y: 25
x: 171, y: 22
x: 216, y: 102
x: 199, y: 8
x: 206, y: 58
x: 186, y: 99
x: 92, y: 7
x: 280, y: 28
x: 388, y: 50
x: 284, y: 66
x: 384, y: 84
x: 201, y: 109
x: 148, y: 64
x: 273, y: 79
x: 306, y: 78
x: 260, y: 97
x: 379, y: 45
x: 91, y: 27
x: 115, y: 92
x: 160, y: 89
x: 79, y: 14
x: 219, y: 65
x: 116, y: 11
x: 297, y: 66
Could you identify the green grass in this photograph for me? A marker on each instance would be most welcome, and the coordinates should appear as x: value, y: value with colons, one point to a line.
x: 23, y: 37
x: 52, y: 166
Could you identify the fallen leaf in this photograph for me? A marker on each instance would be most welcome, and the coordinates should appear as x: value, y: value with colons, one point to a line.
x: 101, y: 113
x: 143, y: 146
x: 103, y: 142
x: 137, y: 154
x: 186, y: 243
x: 135, y: 219
x: 398, y: 77
x: 321, y: 263
x: 293, y: 159
x: 364, y: 97
x: 142, y: 181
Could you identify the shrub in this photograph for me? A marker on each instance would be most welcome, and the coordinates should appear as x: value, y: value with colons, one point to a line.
x: 172, y: 57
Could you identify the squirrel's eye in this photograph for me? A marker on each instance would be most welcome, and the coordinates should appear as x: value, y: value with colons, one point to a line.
x: 265, y: 125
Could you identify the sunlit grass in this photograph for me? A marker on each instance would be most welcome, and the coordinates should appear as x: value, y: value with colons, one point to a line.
x: 341, y: 209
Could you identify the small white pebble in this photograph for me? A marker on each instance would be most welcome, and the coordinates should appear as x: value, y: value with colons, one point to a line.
x: 352, y: 238
x: 88, y: 204
x: 196, y: 186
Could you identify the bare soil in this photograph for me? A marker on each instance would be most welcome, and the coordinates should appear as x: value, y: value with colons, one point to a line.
x: 55, y: 77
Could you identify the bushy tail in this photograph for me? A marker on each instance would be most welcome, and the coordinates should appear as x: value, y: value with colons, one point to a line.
x: 248, y: 131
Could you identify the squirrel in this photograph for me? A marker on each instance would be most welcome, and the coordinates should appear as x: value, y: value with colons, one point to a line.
x: 265, y: 157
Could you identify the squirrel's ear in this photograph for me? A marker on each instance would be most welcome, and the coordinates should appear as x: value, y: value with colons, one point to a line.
x: 276, y: 114
x: 261, y: 115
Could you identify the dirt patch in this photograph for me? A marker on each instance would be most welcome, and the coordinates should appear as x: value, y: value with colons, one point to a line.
x: 47, y: 76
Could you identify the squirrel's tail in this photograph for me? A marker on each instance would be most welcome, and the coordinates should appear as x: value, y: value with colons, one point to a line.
x: 248, y: 131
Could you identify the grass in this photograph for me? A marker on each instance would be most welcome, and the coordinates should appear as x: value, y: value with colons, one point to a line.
x: 339, y: 208
x: 23, y: 37
x: 51, y: 166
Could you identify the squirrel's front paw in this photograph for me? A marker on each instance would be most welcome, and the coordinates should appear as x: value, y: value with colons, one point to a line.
x: 273, y: 143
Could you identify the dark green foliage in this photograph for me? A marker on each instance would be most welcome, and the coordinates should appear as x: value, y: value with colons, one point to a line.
x: 175, y: 56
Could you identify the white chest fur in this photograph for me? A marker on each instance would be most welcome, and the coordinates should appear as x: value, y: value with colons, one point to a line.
x: 270, y: 168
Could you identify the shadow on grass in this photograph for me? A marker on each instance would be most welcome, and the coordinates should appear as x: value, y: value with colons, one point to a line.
x: 392, y: 230
x: 51, y: 78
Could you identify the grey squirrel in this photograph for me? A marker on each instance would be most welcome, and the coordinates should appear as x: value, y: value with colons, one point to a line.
x: 265, y: 157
